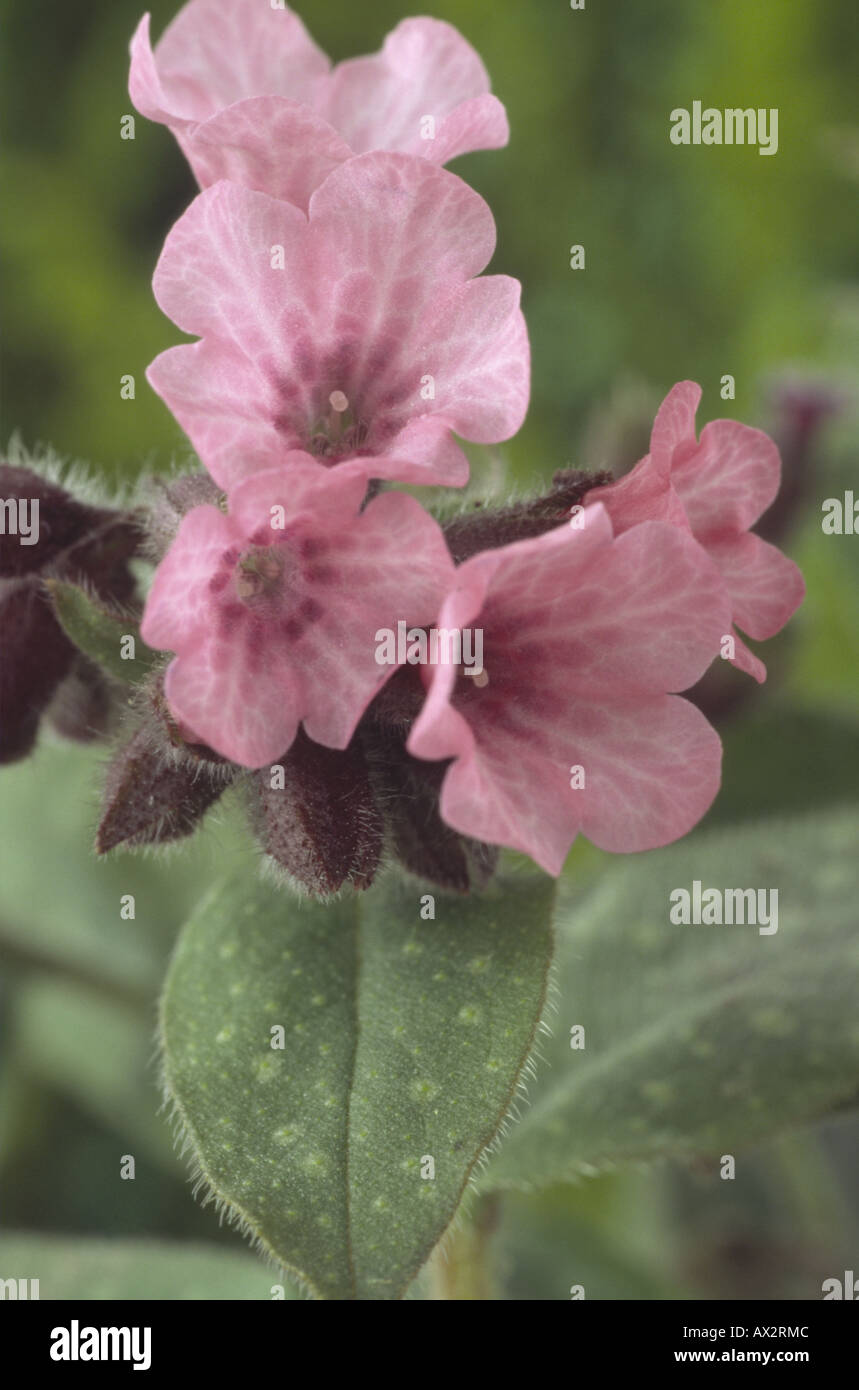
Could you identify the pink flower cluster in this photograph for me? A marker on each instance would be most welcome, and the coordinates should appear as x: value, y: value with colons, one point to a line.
x: 330, y: 271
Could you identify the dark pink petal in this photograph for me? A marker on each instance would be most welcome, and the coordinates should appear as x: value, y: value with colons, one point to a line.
x: 646, y: 492
x: 426, y: 68
x: 423, y: 451
x: 730, y: 479
x: 180, y: 600
x: 269, y: 143
x: 765, y: 586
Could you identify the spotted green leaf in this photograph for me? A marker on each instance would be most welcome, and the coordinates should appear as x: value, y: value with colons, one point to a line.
x: 347, y: 1150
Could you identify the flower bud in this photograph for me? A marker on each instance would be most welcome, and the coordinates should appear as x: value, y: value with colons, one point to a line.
x: 152, y: 796
x: 316, y: 815
x: 36, y: 656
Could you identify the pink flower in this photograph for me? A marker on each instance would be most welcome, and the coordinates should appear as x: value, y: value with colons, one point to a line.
x: 356, y: 330
x: 272, y: 609
x: 251, y: 98
x: 583, y: 635
x: 717, y: 489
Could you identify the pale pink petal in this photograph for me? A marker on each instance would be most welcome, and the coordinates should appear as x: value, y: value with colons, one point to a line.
x: 391, y: 565
x: 422, y: 452
x: 512, y: 581
x: 673, y: 434
x: 745, y: 660
x: 362, y: 301
x: 479, y: 359
x: 408, y: 223
x: 237, y: 702
x: 652, y: 770
x: 268, y: 143
x: 647, y: 618
x: 644, y: 494
x: 225, y: 407
x: 146, y: 91
x: 216, y: 52
x: 426, y: 68
x: 179, y: 601
x: 302, y: 488
x: 582, y: 635
x: 508, y: 793
x: 766, y: 587
x: 219, y: 270
x: 731, y: 478
x: 478, y: 124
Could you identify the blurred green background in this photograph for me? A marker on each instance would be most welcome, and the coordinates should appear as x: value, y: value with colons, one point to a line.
x: 699, y: 262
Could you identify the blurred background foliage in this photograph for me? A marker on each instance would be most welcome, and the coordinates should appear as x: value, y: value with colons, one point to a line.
x: 699, y: 262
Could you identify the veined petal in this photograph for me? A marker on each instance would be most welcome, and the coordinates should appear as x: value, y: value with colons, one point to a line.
x: 424, y: 69
x: 730, y: 479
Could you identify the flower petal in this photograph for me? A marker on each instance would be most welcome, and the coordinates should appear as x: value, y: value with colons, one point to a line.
x: 179, y: 602
x: 224, y: 406
x: 267, y: 143
x: 652, y: 771
x: 478, y: 124
x: 218, y: 51
x: 244, y: 707
x: 730, y: 479
x: 479, y: 359
x: 745, y: 660
x: 766, y: 587
x: 395, y: 216
x: 673, y: 430
x: 392, y: 565
x: 364, y: 305
x: 425, y: 68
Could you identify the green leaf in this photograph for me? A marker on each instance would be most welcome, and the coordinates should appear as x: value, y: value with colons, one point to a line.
x: 61, y: 908
x: 77, y: 1268
x: 698, y: 1039
x: 405, y: 1039
x: 100, y: 633
x: 100, y: 1053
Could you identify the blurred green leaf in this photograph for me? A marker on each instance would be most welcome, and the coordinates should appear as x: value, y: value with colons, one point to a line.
x: 699, y: 1038
x: 405, y: 1040
x: 78, y: 1268
x: 62, y: 907
x: 100, y: 633
x: 100, y: 1053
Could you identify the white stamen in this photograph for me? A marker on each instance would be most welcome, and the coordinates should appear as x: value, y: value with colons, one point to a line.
x: 338, y: 402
